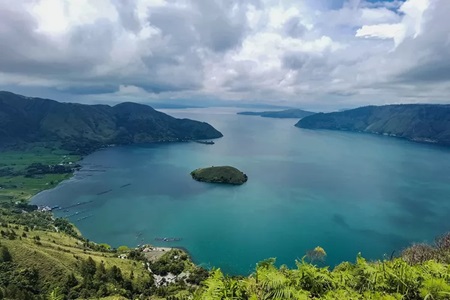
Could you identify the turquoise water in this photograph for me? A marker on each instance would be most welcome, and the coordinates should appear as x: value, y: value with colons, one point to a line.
x: 346, y: 192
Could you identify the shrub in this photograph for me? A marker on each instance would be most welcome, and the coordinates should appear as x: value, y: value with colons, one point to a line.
x: 418, y: 253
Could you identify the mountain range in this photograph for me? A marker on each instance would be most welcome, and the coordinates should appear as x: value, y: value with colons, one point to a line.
x: 417, y: 122
x: 80, y: 126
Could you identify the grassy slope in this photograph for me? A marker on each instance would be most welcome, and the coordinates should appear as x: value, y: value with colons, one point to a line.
x: 56, y: 254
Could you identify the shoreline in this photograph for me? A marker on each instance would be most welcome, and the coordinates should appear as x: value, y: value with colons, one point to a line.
x: 71, y: 175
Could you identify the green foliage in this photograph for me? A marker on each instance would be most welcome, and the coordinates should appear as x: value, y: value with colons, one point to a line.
x: 99, y: 281
x: 5, y: 256
x: 123, y: 249
x: 34, y: 266
x: 173, y: 262
x: 197, y: 276
x: 32, y: 168
x: 221, y: 174
x: 65, y: 226
x: 436, y: 289
x: 56, y: 295
x: 387, y: 279
x: 92, y: 278
x: 18, y: 282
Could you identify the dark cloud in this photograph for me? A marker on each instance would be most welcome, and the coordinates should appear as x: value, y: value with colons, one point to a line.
x: 18, y: 37
x: 295, y: 61
x: 294, y: 28
x: 82, y: 89
x: 427, y: 54
x: 127, y: 15
x: 429, y: 71
x: 206, y: 24
x: 26, y: 51
x: 229, y: 49
x: 221, y: 24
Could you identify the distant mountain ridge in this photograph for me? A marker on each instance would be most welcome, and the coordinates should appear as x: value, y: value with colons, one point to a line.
x: 417, y: 122
x: 293, y: 113
x: 80, y: 126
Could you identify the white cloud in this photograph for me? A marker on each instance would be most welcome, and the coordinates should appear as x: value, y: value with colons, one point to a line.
x: 410, y: 25
x: 383, y: 31
x: 310, y: 52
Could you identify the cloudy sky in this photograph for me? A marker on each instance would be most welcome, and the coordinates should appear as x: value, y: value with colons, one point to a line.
x: 317, y: 54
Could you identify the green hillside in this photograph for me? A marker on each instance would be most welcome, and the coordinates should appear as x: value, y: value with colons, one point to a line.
x: 84, y: 128
x: 41, y: 258
x: 416, y: 122
x: 40, y: 255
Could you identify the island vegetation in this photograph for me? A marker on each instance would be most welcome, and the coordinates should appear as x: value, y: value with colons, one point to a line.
x: 428, y: 123
x: 293, y: 113
x: 220, y: 174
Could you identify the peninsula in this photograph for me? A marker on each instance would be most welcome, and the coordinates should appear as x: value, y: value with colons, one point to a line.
x: 428, y: 123
x: 82, y: 129
x: 222, y: 174
x: 293, y: 113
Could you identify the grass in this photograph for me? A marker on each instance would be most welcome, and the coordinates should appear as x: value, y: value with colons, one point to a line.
x: 56, y: 255
x: 21, y: 188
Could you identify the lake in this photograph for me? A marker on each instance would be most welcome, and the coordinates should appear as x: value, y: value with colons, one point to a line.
x: 345, y: 192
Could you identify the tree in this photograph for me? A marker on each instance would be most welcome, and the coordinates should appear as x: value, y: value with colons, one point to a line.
x: 100, y: 274
x: 71, y: 281
x: 55, y: 294
x: 88, y: 269
x: 316, y: 254
x: 5, y: 256
x: 115, y: 274
x: 123, y: 249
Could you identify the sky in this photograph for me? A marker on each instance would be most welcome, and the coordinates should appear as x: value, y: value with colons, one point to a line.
x: 315, y: 54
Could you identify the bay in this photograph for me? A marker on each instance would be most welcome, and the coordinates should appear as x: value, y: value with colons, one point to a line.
x: 346, y: 192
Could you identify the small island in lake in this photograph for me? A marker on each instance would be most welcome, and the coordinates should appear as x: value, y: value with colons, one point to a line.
x: 222, y: 174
